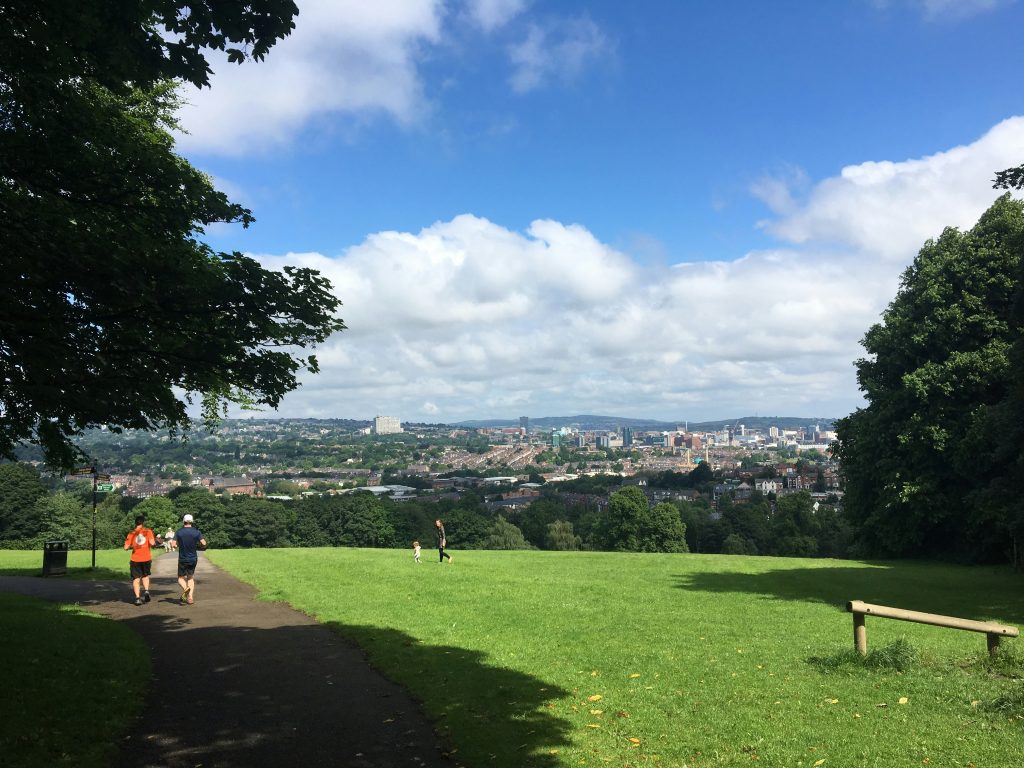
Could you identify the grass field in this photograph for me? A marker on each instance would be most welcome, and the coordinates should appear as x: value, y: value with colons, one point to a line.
x: 567, y: 659
x: 71, y: 682
x: 110, y: 563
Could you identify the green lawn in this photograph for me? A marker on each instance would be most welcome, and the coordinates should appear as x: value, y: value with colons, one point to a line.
x: 567, y: 659
x: 71, y: 682
x: 110, y: 563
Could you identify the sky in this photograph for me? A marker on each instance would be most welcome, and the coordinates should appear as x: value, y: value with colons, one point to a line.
x: 660, y: 209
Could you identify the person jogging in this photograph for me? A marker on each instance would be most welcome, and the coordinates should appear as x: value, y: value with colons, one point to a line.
x: 442, y: 542
x: 190, y: 541
x: 139, y: 541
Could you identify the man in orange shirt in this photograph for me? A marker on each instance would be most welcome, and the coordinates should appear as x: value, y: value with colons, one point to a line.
x: 139, y: 541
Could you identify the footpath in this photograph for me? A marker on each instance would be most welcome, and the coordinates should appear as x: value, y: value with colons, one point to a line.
x: 241, y: 682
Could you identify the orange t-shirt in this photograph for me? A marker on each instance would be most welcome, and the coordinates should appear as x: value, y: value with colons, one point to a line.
x: 140, y: 540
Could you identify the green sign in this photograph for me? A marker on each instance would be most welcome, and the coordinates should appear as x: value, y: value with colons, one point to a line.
x: 104, y: 487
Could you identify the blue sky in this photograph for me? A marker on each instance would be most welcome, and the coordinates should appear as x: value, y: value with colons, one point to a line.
x: 678, y: 210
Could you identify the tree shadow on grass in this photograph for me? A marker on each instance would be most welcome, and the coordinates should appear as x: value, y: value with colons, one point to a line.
x: 58, y: 695
x: 980, y: 593
x: 496, y: 716
x: 303, y: 694
x: 78, y: 574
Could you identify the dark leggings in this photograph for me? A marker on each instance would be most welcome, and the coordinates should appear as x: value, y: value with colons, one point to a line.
x: 441, y: 554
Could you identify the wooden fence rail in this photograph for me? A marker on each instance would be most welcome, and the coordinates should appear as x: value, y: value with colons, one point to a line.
x: 860, y: 610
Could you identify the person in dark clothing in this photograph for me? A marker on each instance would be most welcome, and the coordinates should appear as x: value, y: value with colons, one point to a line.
x: 190, y: 541
x: 442, y: 542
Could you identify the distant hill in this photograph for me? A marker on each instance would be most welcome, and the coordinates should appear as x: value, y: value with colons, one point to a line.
x: 590, y: 423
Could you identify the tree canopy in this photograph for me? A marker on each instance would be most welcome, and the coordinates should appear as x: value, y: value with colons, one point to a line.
x: 938, y: 372
x: 113, y: 310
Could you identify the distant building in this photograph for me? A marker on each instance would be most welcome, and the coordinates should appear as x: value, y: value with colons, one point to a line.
x: 524, y: 423
x: 386, y: 425
x: 627, y: 437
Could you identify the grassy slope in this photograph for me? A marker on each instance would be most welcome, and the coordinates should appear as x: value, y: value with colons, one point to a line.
x: 698, y: 660
x: 71, y: 681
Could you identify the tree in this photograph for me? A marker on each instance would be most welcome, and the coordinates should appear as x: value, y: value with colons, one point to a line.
x: 735, y: 544
x: 159, y: 513
x: 632, y: 526
x: 626, y: 509
x: 664, y: 531
x: 63, y: 516
x: 1011, y: 178
x: 560, y: 536
x: 111, y: 304
x: 535, y: 519
x: 750, y: 521
x: 937, y: 366
x: 701, y: 475
x: 503, y: 535
x: 20, y: 488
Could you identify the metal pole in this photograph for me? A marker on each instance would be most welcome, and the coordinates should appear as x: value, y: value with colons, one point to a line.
x: 93, y: 519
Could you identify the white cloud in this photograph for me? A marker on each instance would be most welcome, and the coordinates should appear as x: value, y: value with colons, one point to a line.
x: 345, y: 57
x: 491, y: 14
x: 558, y: 50
x: 467, y: 318
x: 888, y: 209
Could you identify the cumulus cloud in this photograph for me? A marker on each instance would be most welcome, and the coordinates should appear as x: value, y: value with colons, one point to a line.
x: 467, y: 318
x: 345, y: 57
x: 556, y: 51
x: 888, y: 209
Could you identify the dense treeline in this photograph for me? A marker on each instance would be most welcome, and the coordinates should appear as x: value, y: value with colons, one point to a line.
x: 933, y: 463
x: 623, y: 521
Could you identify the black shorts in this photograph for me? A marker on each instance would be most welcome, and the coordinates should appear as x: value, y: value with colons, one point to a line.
x: 186, y: 568
x: 140, y: 570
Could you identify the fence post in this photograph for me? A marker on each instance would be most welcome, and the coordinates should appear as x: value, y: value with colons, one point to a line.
x: 860, y: 634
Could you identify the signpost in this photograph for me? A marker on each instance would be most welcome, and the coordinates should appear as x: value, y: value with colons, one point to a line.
x: 104, y: 487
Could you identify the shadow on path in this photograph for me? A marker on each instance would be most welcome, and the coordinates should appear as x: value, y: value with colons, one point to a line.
x: 968, y: 592
x: 241, y: 682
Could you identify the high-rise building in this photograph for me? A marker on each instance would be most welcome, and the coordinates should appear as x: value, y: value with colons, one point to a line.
x: 524, y: 423
x: 627, y: 437
x: 386, y: 425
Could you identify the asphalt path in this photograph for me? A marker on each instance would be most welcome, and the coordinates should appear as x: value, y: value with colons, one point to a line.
x: 242, y: 682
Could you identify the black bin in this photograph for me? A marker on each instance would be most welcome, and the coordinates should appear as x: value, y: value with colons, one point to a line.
x: 55, y: 558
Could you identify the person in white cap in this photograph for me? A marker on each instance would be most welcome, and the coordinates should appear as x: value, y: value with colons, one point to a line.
x: 190, y: 541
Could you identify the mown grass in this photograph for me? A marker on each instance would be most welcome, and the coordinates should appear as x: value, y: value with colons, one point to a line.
x: 110, y: 564
x: 568, y: 659
x: 72, y: 680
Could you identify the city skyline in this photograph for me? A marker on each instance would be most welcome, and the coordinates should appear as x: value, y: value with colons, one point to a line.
x: 589, y: 207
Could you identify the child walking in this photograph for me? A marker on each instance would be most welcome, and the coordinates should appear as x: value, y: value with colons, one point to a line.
x: 416, y: 551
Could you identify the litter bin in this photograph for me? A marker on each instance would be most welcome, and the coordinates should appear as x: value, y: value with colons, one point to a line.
x: 55, y: 558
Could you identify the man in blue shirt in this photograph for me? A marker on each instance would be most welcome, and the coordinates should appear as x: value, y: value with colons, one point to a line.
x: 190, y: 541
